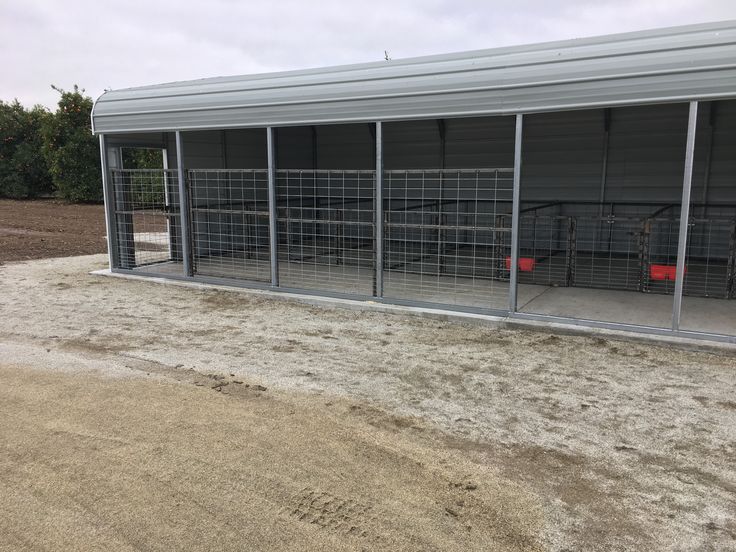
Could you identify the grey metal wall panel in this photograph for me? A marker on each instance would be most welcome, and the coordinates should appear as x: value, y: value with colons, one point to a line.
x: 245, y: 149
x: 481, y: 142
x: 702, y: 145
x: 232, y: 149
x: 675, y: 64
x: 563, y: 156
x: 563, y: 152
x: 140, y: 140
x: 411, y: 145
x: 203, y: 150
x: 325, y: 147
x: 647, y: 153
x: 345, y: 147
x: 295, y: 148
x: 722, y: 180
x: 171, y: 149
x: 477, y: 142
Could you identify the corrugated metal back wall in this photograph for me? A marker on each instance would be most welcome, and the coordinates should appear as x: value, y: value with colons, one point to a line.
x: 562, y: 152
x: 229, y: 149
x: 647, y: 153
x: 722, y: 181
x: 562, y: 156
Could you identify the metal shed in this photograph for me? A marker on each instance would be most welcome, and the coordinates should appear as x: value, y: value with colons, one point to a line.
x: 587, y: 181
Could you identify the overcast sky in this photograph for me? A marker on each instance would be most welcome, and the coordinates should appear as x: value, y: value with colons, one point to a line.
x: 102, y: 44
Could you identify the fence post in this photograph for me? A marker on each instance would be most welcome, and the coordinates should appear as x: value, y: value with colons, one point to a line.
x: 515, y: 206
x: 378, y: 230
x: 186, y: 243
x: 272, y: 211
x: 109, y: 196
x: 684, y: 214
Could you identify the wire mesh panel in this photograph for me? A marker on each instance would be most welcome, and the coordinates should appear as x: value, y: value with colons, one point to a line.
x: 626, y: 246
x: 229, y: 218
x: 709, y: 260
x: 546, y: 249
x: 660, y: 255
x: 608, y: 252
x: 709, y: 286
x: 146, y: 205
x: 326, y: 230
x: 447, y: 236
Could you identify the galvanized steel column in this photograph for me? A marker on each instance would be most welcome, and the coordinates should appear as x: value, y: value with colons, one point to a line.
x: 513, y: 279
x: 604, y: 167
x: 378, y: 280
x: 684, y: 214
x: 186, y: 249
x: 107, y: 193
x: 272, y: 211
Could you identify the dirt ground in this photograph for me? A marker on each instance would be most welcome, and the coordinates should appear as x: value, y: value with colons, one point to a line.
x: 146, y: 464
x: 46, y: 228
x: 122, y: 423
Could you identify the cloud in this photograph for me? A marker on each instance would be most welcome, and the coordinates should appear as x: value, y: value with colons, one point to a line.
x: 99, y: 44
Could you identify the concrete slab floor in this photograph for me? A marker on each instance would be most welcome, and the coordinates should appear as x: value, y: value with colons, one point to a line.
x: 626, y: 307
x: 699, y: 314
x: 714, y: 316
x: 703, y: 314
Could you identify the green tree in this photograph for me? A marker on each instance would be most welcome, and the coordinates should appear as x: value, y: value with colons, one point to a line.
x: 143, y: 158
x: 23, y: 169
x: 72, y: 152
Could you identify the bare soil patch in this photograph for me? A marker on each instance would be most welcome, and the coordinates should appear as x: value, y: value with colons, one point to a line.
x: 47, y: 228
x: 622, y: 446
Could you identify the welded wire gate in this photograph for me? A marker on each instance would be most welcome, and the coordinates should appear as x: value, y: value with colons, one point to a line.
x: 628, y: 247
x: 147, y: 222
x: 326, y: 222
x: 230, y: 223
x: 447, y: 235
x: 584, y: 244
x: 711, y: 258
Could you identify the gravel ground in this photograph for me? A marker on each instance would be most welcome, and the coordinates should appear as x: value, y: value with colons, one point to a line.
x: 626, y: 446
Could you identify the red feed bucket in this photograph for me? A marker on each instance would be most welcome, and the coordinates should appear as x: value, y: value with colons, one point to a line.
x: 663, y: 272
x: 526, y: 264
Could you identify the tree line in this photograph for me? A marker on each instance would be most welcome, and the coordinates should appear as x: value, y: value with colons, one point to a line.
x: 50, y: 153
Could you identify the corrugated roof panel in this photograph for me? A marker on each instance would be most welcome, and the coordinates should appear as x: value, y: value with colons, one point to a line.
x: 676, y: 64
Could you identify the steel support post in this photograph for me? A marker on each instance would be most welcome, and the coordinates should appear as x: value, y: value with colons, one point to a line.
x: 109, y: 197
x: 604, y: 164
x: 186, y: 243
x: 684, y: 214
x: 378, y: 231
x: 441, y: 243
x: 515, y: 206
x: 272, y: 211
